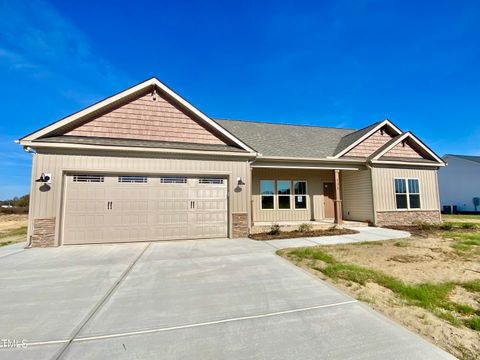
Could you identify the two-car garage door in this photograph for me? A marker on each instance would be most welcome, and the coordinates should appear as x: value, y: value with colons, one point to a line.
x: 122, y: 208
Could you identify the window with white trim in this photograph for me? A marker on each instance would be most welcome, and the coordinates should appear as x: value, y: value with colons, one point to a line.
x: 300, y: 194
x: 407, y: 194
x: 267, y: 193
x: 132, y: 179
x: 283, y: 194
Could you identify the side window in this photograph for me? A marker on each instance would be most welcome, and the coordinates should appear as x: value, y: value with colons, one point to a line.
x: 267, y: 191
x: 413, y: 194
x: 401, y: 193
x: 407, y: 193
x: 283, y: 191
x: 300, y: 192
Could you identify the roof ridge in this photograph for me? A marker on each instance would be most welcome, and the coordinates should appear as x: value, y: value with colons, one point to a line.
x: 274, y: 123
x: 461, y: 155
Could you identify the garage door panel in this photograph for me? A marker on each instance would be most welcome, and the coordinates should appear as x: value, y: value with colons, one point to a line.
x: 102, y: 208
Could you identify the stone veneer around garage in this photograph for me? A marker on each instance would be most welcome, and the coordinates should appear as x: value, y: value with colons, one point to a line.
x: 239, y: 225
x: 43, y: 232
x: 385, y: 218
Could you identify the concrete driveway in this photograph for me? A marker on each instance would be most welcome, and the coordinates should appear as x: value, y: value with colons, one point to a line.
x: 208, y: 299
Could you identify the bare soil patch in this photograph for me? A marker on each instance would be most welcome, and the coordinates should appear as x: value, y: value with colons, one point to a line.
x: 301, y: 234
x: 424, y: 282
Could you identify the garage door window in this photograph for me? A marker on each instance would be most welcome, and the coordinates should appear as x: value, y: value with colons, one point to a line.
x: 132, y: 179
x: 173, y: 180
x: 88, y: 178
x: 213, y: 181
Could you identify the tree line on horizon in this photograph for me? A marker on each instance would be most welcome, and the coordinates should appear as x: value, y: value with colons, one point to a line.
x: 16, y: 201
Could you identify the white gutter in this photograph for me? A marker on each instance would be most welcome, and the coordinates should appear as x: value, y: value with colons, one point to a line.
x: 328, y: 160
x: 48, y: 145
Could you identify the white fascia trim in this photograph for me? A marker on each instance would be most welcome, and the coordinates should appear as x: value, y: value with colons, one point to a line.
x: 386, y: 162
x: 314, y: 167
x: 47, y: 145
x: 388, y: 148
x: 376, y: 128
x: 201, y: 115
x: 329, y: 159
x: 417, y: 141
x: 87, y: 110
x: 128, y: 92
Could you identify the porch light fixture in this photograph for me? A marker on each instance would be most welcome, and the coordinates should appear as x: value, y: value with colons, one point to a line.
x: 45, y: 178
x: 240, y: 181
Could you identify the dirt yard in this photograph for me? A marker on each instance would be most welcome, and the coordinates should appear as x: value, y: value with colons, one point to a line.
x: 430, y: 282
x: 13, y: 228
x: 301, y: 233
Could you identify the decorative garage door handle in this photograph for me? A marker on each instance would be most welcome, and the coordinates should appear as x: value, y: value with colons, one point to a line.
x: 109, y: 205
x: 192, y: 204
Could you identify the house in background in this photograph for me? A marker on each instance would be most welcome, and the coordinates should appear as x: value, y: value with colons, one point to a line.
x: 460, y: 183
x: 145, y: 165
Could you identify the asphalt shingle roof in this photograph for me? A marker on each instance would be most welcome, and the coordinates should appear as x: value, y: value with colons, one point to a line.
x: 287, y: 140
x: 349, y: 139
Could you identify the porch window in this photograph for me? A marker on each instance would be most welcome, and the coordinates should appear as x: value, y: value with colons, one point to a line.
x: 407, y: 193
x: 300, y: 194
x: 267, y: 191
x: 283, y: 191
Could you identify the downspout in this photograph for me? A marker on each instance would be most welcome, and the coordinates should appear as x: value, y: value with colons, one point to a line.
x: 250, y: 198
x: 370, y: 168
x: 30, y: 201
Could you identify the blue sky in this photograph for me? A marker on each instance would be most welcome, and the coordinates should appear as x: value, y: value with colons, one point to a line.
x: 332, y: 63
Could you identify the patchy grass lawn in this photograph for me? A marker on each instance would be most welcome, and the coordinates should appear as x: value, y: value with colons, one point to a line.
x: 13, y: 229
x: 461, y: 218
x: 430, y: 282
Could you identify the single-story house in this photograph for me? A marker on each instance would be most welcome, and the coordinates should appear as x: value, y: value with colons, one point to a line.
x: 460, y: 183
x: 145, y: 164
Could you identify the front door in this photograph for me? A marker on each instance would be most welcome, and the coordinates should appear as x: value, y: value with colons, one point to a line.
x: 328, y: 198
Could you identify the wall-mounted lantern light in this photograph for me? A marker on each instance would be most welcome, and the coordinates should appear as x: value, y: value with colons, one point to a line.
x: 45, y: 178
x: 240, y: 181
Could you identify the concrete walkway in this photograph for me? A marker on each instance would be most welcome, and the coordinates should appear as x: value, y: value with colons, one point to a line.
x: 365, y: 234
x: 197, y: 299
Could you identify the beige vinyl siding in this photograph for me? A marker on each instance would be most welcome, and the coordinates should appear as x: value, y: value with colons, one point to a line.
x: 314, y: 179
x: 47, y: 204
x: 384, y: 188
x: 357, y: 195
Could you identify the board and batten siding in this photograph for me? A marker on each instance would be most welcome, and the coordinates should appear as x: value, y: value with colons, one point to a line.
x: 315, y: 205
x: 357, y: 195
x: 48, y: 204
x: 384, y: 187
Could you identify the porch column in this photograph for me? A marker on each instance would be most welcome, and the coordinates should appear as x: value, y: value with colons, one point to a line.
x: 337, y: 201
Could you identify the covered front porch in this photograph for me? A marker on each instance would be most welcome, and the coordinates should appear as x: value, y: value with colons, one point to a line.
x: 320, y: 195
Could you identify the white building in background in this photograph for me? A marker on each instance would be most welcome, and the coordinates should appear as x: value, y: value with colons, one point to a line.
x: 459, y: 182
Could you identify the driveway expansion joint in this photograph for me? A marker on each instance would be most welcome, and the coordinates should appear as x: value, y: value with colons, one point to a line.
x: 99, y: 304
x: 195, y: 325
